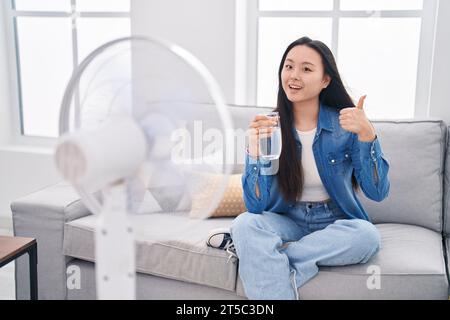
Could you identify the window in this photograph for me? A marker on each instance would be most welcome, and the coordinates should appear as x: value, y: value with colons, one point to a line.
x: 51, y: 38
x: 383, y: 48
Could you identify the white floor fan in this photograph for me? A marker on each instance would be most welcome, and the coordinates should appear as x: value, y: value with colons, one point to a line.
x: 122, y: 109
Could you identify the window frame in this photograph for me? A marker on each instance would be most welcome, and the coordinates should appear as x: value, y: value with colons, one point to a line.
x: 247, y: 53
x: 17, y: 134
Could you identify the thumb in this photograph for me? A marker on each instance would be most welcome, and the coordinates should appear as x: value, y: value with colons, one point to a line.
x: 361, y: 102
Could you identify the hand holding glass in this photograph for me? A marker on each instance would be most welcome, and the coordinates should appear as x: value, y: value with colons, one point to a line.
x: 270, y: 138
x: 265, y: 136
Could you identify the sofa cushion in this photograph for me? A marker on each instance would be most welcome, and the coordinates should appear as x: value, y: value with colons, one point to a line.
x: 181, y: 254
x: 410, y: 264
x: 148, y: 287
x: 415, y: 150
x: 232, y: 202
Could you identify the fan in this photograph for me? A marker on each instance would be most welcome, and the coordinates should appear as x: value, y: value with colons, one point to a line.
x: 131, y: 143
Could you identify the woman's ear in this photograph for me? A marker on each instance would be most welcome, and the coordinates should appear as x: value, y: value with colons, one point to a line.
x: 326, y: 81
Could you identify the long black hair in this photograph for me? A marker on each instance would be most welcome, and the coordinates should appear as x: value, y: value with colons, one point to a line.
x: 290, y: 173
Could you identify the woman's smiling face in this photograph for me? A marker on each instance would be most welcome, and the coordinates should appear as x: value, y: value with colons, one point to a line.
x: 303, y: 76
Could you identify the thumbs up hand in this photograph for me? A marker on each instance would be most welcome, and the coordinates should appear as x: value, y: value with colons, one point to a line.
x: 354, y: 119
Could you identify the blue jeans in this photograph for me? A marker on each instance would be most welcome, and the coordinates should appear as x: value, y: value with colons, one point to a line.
x: 278, y: 253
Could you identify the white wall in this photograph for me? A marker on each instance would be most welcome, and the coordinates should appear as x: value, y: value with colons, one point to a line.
x: 5, y: 117
x: 22, y: 169
x: 203, y: 27
x: 440, y: 87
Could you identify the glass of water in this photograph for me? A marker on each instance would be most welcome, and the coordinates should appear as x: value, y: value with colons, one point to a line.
x: 270, y: 139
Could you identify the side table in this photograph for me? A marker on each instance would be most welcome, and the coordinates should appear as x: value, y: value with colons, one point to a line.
x: 12, y: 248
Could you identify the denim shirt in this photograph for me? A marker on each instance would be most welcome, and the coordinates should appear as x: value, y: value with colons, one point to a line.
x: 337, y: 153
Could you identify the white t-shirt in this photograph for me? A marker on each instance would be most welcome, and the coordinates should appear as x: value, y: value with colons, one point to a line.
x: 313, y: 189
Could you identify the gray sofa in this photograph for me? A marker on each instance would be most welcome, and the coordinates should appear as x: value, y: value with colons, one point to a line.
x: 414, y: 222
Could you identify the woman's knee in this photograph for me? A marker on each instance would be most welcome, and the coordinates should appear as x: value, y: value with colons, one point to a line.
x: 369, y: 236
x: 365, y: 235
x: 242, y: 223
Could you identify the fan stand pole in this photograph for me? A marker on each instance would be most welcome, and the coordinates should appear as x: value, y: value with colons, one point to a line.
x: 115, y: 248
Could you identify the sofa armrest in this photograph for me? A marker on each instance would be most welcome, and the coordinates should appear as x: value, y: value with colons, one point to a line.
x: 42, y: 215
